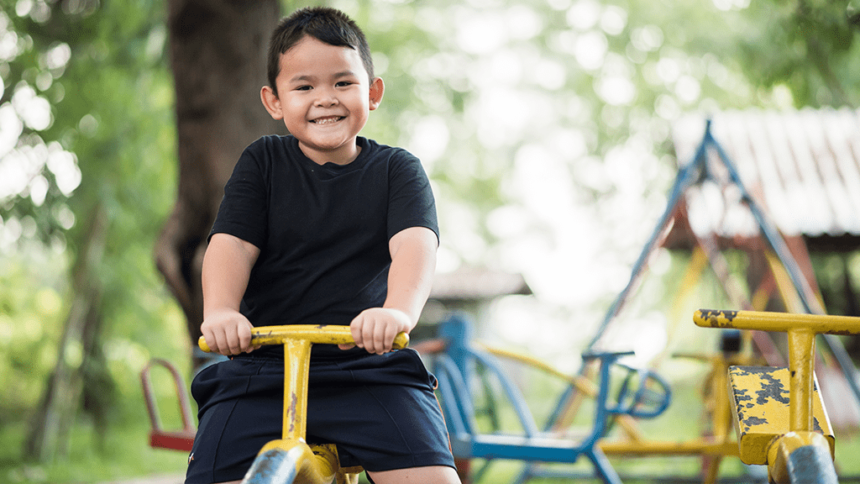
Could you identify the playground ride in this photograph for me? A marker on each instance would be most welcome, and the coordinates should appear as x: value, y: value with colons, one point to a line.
x: 791, y: 435
x: 456, y: 360
x: 290, y: 459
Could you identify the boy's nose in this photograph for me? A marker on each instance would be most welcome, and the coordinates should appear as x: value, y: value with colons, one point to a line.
x: 326, y: 98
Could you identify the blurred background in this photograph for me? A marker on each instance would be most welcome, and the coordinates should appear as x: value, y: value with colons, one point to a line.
x: 552, y: 131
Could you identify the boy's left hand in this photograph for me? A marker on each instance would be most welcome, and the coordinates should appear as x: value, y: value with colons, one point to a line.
x: 375, y: 328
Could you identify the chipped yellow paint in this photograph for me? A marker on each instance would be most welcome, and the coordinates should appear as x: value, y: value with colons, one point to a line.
x: 297, y: 362
x: 774, y: 321
x: 760, y: 401
x: 778, y: 410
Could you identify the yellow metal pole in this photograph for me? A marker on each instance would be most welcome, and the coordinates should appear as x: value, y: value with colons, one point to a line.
x: 773, y: 321
x: 314, y: 333
x: 296, y: 366
x: 801, y: 344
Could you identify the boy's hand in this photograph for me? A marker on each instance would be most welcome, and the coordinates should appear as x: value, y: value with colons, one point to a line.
x: 375, y: 328
x: 227, y: 332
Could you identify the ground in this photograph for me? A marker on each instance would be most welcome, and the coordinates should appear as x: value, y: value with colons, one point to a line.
x: 162, y: 479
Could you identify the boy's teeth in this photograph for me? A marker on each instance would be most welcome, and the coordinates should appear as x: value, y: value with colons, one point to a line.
x: 326, y: 120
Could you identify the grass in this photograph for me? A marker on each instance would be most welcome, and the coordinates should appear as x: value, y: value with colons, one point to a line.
x: 94, y: 456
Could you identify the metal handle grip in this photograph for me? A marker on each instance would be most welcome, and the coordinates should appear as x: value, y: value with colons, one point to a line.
x: 315, y: 333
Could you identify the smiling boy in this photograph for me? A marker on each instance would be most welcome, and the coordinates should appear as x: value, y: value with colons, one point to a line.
x: 321, y: 227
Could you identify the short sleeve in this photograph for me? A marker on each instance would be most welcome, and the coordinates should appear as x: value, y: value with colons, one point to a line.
x: 411, y: 202
x: 244, y: 209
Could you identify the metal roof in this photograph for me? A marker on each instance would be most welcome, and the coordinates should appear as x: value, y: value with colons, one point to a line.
x: 477, y: 284
x: 801, y: 166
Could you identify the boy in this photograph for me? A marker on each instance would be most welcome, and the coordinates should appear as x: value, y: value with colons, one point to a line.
x: 321, y: 227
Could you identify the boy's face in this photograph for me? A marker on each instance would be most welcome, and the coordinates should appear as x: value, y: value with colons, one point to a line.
x: 324, y: 97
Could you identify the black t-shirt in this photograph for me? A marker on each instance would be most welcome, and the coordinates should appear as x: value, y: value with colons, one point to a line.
x: 322, y: 231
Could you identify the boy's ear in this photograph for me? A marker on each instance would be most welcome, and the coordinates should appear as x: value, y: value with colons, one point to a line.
x: 271, y: 102
x: 377, y: 88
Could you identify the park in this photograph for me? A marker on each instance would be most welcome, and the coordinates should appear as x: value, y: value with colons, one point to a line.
x: 606, y: 172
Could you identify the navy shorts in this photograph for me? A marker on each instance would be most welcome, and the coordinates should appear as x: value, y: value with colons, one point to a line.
x: 380, y: 411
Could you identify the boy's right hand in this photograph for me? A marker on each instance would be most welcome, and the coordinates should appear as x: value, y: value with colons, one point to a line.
x: 227, y: 332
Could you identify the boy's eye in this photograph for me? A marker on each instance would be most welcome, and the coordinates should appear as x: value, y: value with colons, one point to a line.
x: 303, y: 88
x: 343, y: 83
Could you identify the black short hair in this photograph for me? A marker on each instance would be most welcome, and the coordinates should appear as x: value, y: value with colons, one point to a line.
x: 325, y: 24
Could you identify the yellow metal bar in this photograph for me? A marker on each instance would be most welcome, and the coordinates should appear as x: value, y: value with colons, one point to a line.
x: 773, y: 321
x: 784, y: 285
x: 297, y: 357
x: 582, y: 384
x: 315, y: 333
x: 801, y: 344
x: 702, y: 446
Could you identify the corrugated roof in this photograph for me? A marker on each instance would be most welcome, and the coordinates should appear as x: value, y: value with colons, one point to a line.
x: 802, y: 167
x: 471, y: 283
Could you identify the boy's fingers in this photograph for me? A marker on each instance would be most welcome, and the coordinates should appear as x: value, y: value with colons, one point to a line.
x: 220, y: 345
x: 388, y: 339
x: 379, y: 339
x: 245, y: 338
x: 356, y: 329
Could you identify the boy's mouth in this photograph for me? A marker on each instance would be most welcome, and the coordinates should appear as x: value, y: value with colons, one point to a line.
x: 327, y: 120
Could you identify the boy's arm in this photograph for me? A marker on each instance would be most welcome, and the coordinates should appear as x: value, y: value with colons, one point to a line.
x: 226, y: 269
x: 413, y: 263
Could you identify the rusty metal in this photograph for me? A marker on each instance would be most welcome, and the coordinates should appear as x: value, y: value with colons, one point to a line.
x: 774, y: 428
x: 181, y: 439
x: 760, y: 399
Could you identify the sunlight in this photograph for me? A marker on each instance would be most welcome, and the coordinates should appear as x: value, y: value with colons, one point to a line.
x: 688, y: 89
x: 64, y: 166
x: 58, y: 56
x: 429, y: 140
x: 34, y: 110
x: 481, y: 34
x: 614, y: 20
x: 616, y: 90
x: 647, y: 39
x: 584, y: 14
x: 11, y: 128
x: 8, y: 41
x: 591, y: 49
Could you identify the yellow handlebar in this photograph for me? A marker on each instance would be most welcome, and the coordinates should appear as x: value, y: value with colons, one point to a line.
x: 774, y: 321
x: 314, y: 333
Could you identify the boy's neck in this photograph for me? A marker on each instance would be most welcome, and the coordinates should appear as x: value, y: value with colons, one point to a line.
x: 341, y: 156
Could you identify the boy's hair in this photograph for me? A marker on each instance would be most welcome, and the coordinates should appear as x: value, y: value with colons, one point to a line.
x: 325, y: 24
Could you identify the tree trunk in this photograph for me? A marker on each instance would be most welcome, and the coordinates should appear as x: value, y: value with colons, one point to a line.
x: 49, y: 435
x: 218, y: 56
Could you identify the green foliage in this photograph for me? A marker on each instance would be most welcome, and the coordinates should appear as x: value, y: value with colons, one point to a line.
x: 32, y: 305
x: 102, y: 69
x: 807, y: 45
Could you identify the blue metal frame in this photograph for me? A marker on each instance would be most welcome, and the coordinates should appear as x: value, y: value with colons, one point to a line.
x: 456, y: 366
